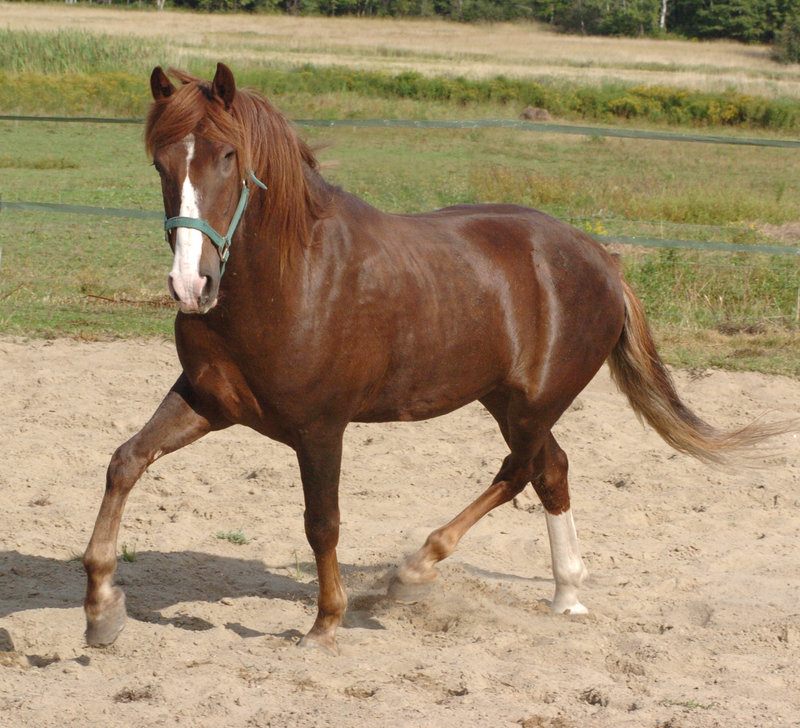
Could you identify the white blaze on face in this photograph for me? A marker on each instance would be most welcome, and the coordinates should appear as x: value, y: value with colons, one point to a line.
x: 184, y: 278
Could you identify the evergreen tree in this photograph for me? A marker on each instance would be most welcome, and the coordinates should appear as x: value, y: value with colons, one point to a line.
x: 787, y: 40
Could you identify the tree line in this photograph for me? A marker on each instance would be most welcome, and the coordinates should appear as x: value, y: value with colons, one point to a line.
x: 744, y: 20
x: 750, y: 21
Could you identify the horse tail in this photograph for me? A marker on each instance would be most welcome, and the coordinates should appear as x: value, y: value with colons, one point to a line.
x: 642, y: 376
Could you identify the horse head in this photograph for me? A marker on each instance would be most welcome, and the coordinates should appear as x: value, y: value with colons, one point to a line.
x: 212, y: 145
x: 194, y: 138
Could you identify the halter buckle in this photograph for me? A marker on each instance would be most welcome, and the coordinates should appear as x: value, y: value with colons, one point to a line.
x: 224, y: 250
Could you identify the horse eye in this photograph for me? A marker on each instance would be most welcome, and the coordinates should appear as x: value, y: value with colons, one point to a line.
x: 230, y: 154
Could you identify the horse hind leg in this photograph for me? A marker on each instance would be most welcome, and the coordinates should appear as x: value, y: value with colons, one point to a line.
x: 535, y: 458
x: 413, y: 578
x: 551, y: 486
x: 550, y: 483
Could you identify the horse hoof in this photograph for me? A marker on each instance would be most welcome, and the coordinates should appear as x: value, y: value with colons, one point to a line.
x: 408, y: 592
x: 103, y: 629
x: 310, y: 642
x: 572, y: 607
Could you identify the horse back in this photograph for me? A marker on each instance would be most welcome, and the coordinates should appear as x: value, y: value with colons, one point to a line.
x: 463, y: 300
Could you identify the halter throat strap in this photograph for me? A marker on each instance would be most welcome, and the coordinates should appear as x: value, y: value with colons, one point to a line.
x: 222, y: 244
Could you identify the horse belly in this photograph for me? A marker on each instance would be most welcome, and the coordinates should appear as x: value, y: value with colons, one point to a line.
x: 431, y: 374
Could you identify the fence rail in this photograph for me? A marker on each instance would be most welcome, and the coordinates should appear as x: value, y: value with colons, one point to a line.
x: 81, y: 210
x: 533, y: 126
x: 615, y: 239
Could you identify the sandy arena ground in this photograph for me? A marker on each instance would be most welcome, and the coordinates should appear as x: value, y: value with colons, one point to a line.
x: 694, y: 581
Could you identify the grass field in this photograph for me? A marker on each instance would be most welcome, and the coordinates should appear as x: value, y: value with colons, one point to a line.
x: 95, y: 277
x: 433, y: 47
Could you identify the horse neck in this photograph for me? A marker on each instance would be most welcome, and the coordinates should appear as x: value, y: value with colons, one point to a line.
x: 259, y: 260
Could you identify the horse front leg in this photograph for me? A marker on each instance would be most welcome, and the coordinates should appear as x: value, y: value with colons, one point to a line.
x: 175, y: 423
x: 320, y: 457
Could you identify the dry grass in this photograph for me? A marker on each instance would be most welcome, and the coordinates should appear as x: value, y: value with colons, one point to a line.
x: 433, y: 47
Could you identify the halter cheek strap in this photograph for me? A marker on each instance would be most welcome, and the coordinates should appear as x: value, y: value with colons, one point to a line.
x: 222, y: 244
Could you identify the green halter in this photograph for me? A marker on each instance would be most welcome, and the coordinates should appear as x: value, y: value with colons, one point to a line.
x: 222, y: 244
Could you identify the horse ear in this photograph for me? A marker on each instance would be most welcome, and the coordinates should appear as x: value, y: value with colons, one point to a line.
x: 223, y: 85
x: 160, y: 85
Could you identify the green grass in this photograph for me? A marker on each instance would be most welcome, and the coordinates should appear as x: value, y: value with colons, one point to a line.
x: 93, y: 277
x: 96, y: 278
x: 58, y: 271
x: 128, y: 556
x: 335, y: 92
x: 688, y: 704
x: 235, y: 537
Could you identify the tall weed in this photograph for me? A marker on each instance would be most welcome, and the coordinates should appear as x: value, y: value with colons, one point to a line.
x: 75, y: 51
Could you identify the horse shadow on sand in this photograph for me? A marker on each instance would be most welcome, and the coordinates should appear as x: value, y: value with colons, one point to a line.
x: 157, y: 581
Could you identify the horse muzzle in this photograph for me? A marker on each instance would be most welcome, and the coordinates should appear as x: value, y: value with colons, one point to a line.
x: 194, y: 293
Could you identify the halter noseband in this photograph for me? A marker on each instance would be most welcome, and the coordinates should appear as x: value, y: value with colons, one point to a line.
x: 222, y: 244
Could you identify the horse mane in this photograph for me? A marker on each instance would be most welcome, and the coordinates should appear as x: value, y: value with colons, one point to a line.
x: 265, y: 142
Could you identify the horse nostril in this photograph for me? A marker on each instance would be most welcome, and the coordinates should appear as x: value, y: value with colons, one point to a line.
x: 171, y: 287
x: 204, y: 291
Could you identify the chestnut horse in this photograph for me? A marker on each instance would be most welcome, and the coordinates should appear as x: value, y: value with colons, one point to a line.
x: 303, y: 308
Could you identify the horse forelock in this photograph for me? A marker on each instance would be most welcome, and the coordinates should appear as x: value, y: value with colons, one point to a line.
x: 192, y: 109
x: 265, y: 143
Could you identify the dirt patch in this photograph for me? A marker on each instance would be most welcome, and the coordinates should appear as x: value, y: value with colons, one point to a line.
x: 788, y: 231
